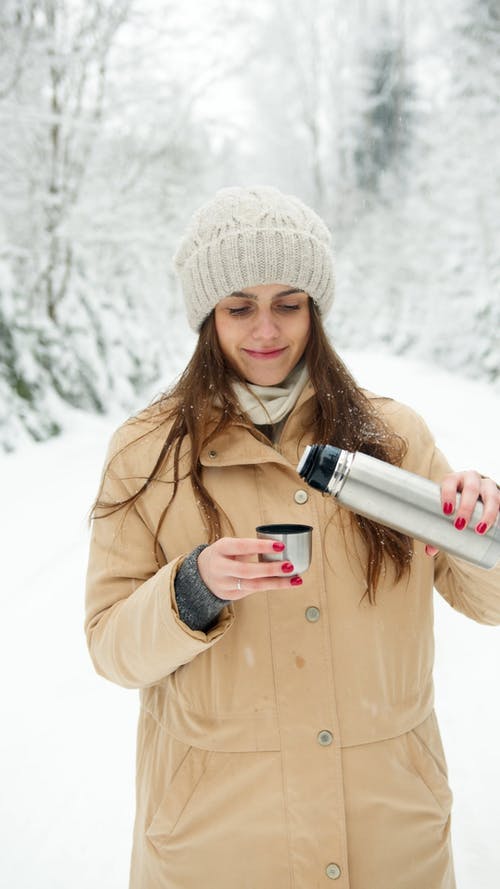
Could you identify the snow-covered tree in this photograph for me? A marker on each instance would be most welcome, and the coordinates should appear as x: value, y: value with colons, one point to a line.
x: 421, y: 272
x: 96, y: 161
x: 118, y: 117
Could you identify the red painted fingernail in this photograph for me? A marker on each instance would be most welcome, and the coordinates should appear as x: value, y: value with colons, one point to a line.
x: 460, y: 524
x: 278, y: 547
x: 295, y: 581
x: 287, y: 566
x: 447, y: 508
x: 481, y: 528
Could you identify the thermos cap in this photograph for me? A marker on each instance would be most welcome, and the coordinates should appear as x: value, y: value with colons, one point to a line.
x: 317, y: 465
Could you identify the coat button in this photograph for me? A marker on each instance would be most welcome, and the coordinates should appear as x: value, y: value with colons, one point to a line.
x: 325, y: 738
x: 333, y: 871
x: 312, y: 614
x: 301, y: 496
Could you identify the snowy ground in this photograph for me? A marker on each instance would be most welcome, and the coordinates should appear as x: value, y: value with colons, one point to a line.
x: 68, y: 737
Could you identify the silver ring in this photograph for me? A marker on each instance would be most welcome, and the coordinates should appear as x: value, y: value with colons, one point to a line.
x: 238, y: 584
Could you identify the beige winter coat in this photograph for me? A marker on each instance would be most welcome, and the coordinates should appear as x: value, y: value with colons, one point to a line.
x: 294, y: 745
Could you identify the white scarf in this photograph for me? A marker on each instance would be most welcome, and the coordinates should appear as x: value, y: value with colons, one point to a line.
x: 270, y: 404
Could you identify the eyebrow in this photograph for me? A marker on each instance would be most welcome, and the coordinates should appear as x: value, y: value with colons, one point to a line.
x: 281, y: 293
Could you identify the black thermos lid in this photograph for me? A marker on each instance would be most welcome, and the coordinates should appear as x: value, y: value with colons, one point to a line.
x: 318, y: 466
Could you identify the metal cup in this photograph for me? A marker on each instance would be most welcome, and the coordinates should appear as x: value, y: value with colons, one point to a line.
x: 298, y: 544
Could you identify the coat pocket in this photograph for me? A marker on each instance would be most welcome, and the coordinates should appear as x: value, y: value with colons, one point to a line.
x: 427, y: 757
x: 178, y: 794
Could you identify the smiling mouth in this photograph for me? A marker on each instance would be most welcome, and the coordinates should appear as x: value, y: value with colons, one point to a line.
x: 270, y: 353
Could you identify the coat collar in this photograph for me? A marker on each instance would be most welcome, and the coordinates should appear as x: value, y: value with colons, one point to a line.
x: 237, y: 446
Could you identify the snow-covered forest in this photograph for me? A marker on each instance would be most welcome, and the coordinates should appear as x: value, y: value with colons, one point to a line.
x: 119, y: 117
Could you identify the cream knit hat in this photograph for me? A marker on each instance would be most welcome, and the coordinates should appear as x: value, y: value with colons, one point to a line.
x: 250, y: 236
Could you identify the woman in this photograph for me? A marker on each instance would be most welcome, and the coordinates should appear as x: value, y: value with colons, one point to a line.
x: 287, y: 736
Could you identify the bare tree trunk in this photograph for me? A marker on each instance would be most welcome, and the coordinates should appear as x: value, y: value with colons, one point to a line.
x: 77, y: 82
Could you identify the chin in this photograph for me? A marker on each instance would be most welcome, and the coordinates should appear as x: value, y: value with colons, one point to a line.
x: 269, y: 381
x: 265, y: 376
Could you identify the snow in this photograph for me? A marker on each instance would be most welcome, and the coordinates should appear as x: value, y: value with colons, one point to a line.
x: 68, y: 736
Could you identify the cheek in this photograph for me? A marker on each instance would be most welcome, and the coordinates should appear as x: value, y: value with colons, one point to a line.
x: 228, y: 343
x: 304, y: 332
x: 223, y: 334
x: 219, y: 325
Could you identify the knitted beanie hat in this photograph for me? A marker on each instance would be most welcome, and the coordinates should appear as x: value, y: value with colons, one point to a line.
x: 249, y: 236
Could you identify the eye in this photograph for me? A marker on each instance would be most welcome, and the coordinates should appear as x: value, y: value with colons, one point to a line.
x: 288, y: 307
x: 239, y: 311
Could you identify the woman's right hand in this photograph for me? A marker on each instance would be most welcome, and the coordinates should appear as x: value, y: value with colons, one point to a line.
x: 229, y: 569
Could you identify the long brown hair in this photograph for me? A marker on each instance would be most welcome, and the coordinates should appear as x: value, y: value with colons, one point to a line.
x: 343, y: 415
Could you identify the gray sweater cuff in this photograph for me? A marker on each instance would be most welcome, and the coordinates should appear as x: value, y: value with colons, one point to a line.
x: 198, y: 607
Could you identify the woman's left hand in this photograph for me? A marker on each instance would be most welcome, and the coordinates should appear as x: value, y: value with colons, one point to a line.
x: 472, y: 487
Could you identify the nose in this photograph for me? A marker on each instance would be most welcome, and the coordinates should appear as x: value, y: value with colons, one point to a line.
x: 266, y: 326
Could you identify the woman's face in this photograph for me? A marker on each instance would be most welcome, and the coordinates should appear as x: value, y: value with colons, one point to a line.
x: 263, y: 331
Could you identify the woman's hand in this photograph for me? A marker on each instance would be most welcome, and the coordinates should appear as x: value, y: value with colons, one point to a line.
x: 472, y: 487
x: 229, y: 569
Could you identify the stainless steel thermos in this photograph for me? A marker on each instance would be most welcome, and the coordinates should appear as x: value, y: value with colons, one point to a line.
x: 399, y: 499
